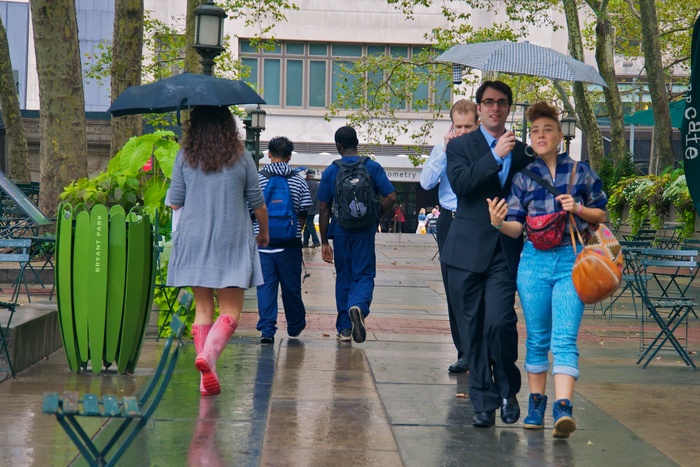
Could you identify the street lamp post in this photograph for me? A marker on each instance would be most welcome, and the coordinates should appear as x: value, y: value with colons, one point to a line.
x: 254, y: 125
x: 568, y: 127
x: 208, y: 34
x: 523, y: 130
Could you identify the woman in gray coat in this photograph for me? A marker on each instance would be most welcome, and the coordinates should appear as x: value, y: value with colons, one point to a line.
x: 214, y: 248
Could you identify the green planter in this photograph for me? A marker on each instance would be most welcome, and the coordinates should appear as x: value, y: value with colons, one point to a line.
x: 105, y: 275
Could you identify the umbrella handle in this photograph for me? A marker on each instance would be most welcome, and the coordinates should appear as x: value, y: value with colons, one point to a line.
x: 515, y: 99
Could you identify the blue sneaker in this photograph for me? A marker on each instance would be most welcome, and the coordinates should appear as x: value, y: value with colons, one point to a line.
x: 537, y: 405
x: 564, y: 423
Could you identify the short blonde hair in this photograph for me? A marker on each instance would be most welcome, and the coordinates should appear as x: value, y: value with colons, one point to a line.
x: 464, y: 106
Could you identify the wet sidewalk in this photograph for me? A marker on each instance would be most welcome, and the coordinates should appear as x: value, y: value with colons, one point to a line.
x: 387, y: 402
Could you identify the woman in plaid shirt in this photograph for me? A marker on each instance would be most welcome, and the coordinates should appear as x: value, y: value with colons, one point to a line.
x: 550, y: 304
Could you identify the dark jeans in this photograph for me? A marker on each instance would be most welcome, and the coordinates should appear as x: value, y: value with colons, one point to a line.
x: 310, y: 231
x: 282, y: 269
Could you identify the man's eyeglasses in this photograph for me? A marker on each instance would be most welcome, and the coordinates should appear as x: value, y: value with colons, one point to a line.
x: 502, y: 103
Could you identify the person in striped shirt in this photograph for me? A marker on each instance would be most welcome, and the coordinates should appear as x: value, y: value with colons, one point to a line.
x: 281, y: 262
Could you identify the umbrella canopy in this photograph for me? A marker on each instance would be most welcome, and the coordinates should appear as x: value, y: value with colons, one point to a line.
x: 690, y: 142
x: 521, y: 58
x: 181, y: 92
x: 646, y: 117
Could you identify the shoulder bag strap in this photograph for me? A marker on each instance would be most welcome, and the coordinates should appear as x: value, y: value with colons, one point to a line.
x: 572, y: 221
x: 542, y: 182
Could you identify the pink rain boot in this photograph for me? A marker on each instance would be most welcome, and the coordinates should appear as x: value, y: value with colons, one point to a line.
x: 200, y: 333
x: 220, y: 333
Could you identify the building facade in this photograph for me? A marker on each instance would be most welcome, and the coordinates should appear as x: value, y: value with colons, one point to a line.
x: 300, y: 77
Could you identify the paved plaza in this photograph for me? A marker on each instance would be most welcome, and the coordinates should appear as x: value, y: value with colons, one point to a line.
x: 390, y: 401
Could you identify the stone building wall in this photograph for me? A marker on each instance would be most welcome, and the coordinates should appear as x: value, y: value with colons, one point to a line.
x: 98, y: 139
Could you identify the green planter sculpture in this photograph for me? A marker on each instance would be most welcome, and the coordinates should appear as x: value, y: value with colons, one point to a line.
x: 105, y: 276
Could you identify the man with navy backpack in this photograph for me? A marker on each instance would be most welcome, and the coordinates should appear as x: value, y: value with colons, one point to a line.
x: 350, y: 186
x: 287, y: 199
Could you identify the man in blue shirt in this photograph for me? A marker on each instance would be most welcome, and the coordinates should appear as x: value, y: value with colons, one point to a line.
x: 465, y: 119
x: 481, y: 280
x: 354, y: 257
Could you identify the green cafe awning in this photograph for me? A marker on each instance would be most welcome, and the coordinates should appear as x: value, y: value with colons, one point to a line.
x: 646, y: 117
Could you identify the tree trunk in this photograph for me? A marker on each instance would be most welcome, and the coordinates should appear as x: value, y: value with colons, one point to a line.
x: 586, y: 116
x: 127, y: 51
x: 604, y: 54
x: 191, y: 56
x: 663, y: 147
x: 63, y: 152
x: 18, y: 160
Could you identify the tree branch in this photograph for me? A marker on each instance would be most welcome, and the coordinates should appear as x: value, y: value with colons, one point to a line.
x: 635, y: 13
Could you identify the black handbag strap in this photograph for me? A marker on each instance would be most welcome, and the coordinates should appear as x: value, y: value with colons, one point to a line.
x: 548, y: 186
x: 542, y: 182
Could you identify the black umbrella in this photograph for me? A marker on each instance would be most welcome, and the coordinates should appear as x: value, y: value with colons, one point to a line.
x: 183, y: 91
x: 690, y: 134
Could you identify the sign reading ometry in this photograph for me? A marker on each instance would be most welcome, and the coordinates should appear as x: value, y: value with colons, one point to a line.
x: 690, y: 128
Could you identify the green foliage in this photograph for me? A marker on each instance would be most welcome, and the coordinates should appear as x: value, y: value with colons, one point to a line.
x: 125, y: 182
x: 650, y: 197
x: 162, y: 296
x: 611, y: 174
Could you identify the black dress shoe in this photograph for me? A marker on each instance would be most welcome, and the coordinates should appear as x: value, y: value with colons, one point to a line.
x: 460, y: 366
x: 484, y: 419
x: 510, y: 410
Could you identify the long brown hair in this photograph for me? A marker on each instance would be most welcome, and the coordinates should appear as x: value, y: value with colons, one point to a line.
x: 211, y: 139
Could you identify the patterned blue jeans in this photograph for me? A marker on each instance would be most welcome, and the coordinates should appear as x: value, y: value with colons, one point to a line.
x: 551, y: 307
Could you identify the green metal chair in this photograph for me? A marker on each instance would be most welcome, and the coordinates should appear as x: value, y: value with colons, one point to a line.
x: 129, y: 412
x: 667, y: 306
x: 15, y: 251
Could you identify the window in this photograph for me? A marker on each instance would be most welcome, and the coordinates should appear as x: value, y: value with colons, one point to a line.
x: 309, y: 75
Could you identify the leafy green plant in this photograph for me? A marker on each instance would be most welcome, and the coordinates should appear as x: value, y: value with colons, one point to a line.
x: 125, y: 182
x: 678, y: 194
x: 650, y: 197
x: 164, y: 297
x: 612, y: 174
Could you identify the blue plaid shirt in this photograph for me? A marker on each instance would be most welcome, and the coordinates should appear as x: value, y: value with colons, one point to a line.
x: 528, y: 198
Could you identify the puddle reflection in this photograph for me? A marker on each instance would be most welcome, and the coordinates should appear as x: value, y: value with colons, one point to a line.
x: 203, y: 450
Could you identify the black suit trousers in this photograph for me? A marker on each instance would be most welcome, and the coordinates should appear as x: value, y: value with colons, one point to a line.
x: 443, y: 227
x: 484, y: 310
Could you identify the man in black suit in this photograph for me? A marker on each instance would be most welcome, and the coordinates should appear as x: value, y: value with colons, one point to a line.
x: 482, y: 263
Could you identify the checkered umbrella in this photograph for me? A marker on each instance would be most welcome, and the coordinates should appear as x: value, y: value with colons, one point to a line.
x: 519, y: 58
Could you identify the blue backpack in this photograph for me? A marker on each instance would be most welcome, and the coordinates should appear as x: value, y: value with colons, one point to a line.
x: 282, y: 218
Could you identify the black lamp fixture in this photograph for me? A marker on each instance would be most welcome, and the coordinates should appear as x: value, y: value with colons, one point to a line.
x: 208, y: 34
x: 568, y: 127
x: 254, y: 125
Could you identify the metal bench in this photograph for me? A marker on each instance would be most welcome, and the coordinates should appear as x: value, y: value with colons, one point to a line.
x: 129, y: 411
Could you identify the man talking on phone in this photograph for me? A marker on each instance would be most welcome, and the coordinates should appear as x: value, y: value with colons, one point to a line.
x: 464, y: 117
x: 481, y: 262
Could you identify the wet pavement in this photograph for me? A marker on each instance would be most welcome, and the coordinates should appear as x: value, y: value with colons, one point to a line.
x: 387, y: 402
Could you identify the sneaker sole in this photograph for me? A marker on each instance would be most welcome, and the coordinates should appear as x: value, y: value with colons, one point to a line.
x: 359, y: 334
x: 531, y: 426
x: 564, y: 427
